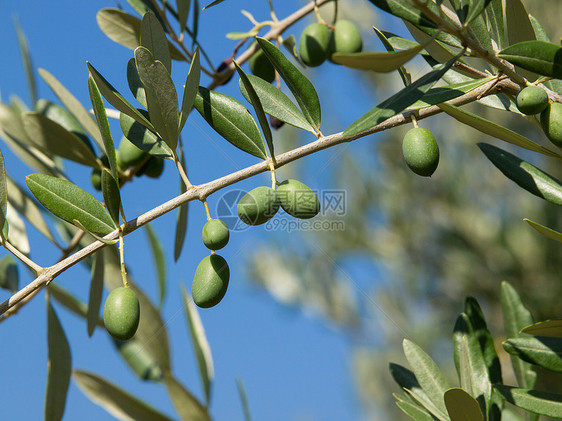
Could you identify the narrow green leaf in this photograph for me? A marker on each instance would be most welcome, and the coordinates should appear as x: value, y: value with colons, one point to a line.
x: 161, y: 96
x: 406, y: 77
x: 51, y: 137
x: 73, y: 106
x: 58, y: 367
x: 111, y: 195
x: 548, y: 328
x: 494, y: 17
x: 543, y: 403
x: 143, y: 6
x: 414, y: 411
x: 190, y: 88
x: 115, y: 400
x: 479, y: 31
x: 151, y: 333
x: 16, y: 231
x: 70, y: 302
x: 103, y: 124
x: 445, y: 93
x: 476, y: 8
x: 153, y: 38
x: 543, y: 351
x: 493, y: 129
x: 461, y: 406
x: 541, y: 35
x: 116, y: 99
x: 214, y: 3
x: 405, y: 11
x: 187, y: 406
x: 200, y: 344
x: 544, y: 58
x: 516, y: 317
x: 258, y: 108
x: 95, y: 236
x: 95, y: 295
x: 183, y: 6
x: 547, y: 232
x: 243, y: 399
x: 427, y: 373
x: 290, y: 43
x: 143, y: 138
x: 183, y: 210
x: 519, y: 27
x: 398, y: 102
x: 139, y: 360
x: 231, y: 120
x: 26, y: 57
x: 276, y: 103
x: 3, y: 194
x: 9, y: 275
x: 134, y: 82
x: 524, y: 174
x: 70, y: 202
x: 302, y: 89
x: 159, y: 262
x: 470, y: 364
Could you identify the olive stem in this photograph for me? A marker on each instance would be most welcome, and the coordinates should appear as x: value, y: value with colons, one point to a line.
x: 207, y: 211
x: 273, y: 178
x: 414, y: 121
x: 182, y: 172
x: 23, y: 258
x: 122, y: 259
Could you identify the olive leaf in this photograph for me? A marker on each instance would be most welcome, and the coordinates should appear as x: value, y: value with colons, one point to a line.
x: 406, y: 379
x: 15, y: 230
x: 544, y: 58
x: 187, y: 406
x: 254, y: 99
x: 143, y: 138
x: 26, y: 57
x: 73, y: 106
x: 95, y: 295
x: 214, y: 3
x: 161, y: 96
x: 103, y: 124
x: 190, y: 88
x: 414, y: 411
x: 139, y: 359
x: 406, y: 77
x: 183, y: 210
x: 231, y: 120
x: 276, y: 103
x: 111, y: 194
x: 3, y: 195
x: 69, y: 301
x: 51, y: 137
x: 58, y: 367
x: 548, y: 328
x: 445, y: 93
x: 243, y: 399
x: 535, y: 401
x: 545, y: 352
x: 153, y: 38
x: 399, y: 101
x: 524, y: 174
x: 9, y: 275
x: 70, y: 202
x: 519, y: 28
x: 115, y: 400
x: 183, y: 7
x: 134, y: 82
x: 116, y: 99
x: 494, y: 17
x: 547, y: 232
x: 461, y: 406
x: 302, y: 89
x: 159, y: 262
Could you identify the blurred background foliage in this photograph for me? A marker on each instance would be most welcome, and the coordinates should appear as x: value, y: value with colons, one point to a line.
x: 412, y: 248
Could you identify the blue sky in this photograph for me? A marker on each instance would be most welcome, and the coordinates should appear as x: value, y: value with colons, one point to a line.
x: 293, y: 366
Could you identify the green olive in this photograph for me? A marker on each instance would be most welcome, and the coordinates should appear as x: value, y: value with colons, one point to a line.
x: 129, y: 154
x: 551, y: 122
x: 297, y: 199
x: 421, y: 151
x: 215, y: 234
x: 347, y: 38
x: 315, y: 44
x: 153, y: 167
x: 531, y: 100
x: 121, y: 313
x: 258, y: 206
x: 96, y: 179
x: 261, y: 66
x: 210, y: 281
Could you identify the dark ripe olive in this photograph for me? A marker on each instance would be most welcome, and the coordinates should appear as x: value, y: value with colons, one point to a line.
x: 121, y: 313
x: 347, y: 38
x: 421, y: 151
x: 258, y: 206
x: 297, y: 199
x: 261, y: 66
x: 210, y: 281
x: 153, y: 167
x: 215, y: 234
x: 315, y: 44
x: 129, y: 154
x: 551, y: 122
x: 532, y: 100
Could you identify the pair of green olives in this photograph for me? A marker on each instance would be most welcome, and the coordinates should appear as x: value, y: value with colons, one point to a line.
x: 262, y: 203
x: 318, y: 41
x: 420, y: 151
x: 121, y: 313
x: 533, y: 100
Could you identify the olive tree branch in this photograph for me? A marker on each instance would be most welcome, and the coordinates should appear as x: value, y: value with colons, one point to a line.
x: 202, y: 191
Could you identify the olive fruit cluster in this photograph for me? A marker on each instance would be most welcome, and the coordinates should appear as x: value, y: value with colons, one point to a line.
x: 420, y: 151
x: 318, y: 41
x: 212, y: 274
x: 121, y: 313
x: 262, y: 203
